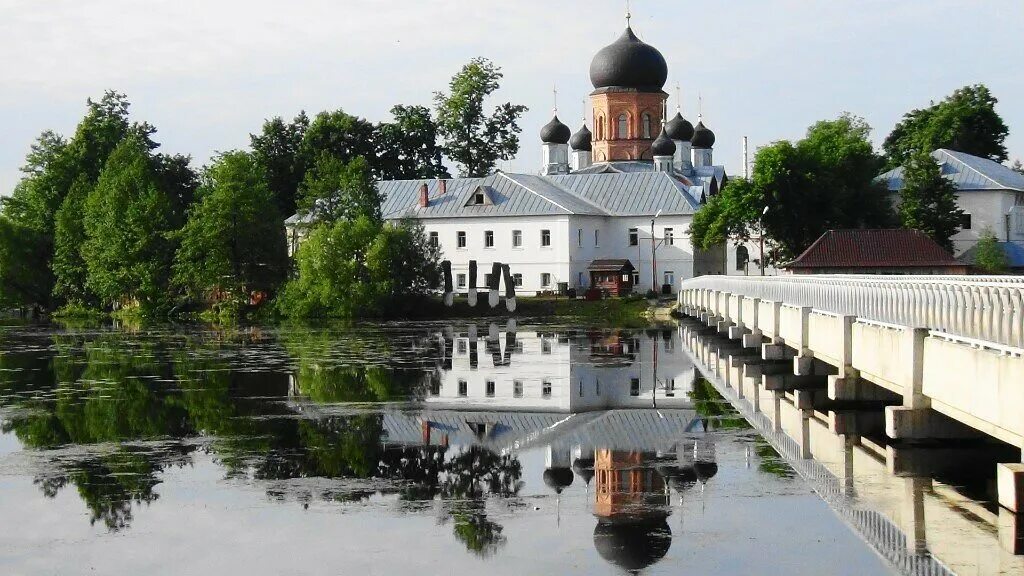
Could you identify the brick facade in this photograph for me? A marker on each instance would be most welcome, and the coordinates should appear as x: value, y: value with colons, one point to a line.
x: 609, y: 144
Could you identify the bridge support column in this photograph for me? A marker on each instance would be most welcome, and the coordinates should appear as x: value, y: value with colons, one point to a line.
x: 915, y: 420
x: 1011, y: 531
x: 912, y: 516
x: 1010, y: 483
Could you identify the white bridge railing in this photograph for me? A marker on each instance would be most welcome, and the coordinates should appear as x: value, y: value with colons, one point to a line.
x: 986, y: 308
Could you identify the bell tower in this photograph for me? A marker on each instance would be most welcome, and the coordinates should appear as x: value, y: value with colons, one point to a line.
x: 628, y: 98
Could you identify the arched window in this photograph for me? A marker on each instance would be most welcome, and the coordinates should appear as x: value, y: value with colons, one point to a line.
x: 646, y: 123
x: 742, y: 257
x: 623, y: 133
x: 600, y: 127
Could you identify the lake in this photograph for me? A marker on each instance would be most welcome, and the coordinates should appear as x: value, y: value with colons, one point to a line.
x: 427, y: 448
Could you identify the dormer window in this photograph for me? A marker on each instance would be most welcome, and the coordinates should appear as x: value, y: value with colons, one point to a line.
x: 482, y: 196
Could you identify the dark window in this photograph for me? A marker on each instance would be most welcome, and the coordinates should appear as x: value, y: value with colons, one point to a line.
x: 462, y: 346
x: 460, y: 280
x: 517, y: 389
x: 669, y: 237
x: 647, y: 125
x: 517, y: 238
x: 478, y: 198
x: 435, y: 387
x: 460, y: 239
x: 545, y: 237
x: 545, y: 390
x: 463, y: 388
x: 742, y: 257
x: 433, y: 239
x: 517, y: 280
x: 490, y: 388
x: 545, y: 346
x: 634, y: 237
x: 545, y: 279
x: 489, y: 239
x: 579, y: 237
x: 965, y: 221
x: 634, y: 387
x: 487, y: 279
x: 623, y: 127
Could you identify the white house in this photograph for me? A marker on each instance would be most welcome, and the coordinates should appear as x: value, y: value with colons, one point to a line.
x: 635, y: 179
x: 990, y: 194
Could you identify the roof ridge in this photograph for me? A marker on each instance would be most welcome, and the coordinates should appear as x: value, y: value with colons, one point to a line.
x: 535, y: 193
x: 952, y: 154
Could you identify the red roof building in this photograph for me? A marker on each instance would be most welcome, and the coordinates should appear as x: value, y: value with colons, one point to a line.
x: 891, y: 251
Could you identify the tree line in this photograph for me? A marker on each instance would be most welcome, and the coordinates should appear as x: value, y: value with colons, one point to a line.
x: 103, y: 221
x: 828, y: 180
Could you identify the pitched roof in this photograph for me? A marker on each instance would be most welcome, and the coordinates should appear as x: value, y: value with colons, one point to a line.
x: 896, y: 248
x: 611, y: 265
x: 967, y: 172
x: 1014, y: 254
x: 631, y: 194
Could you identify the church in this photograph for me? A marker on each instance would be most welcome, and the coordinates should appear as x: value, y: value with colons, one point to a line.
x: 610, y: 207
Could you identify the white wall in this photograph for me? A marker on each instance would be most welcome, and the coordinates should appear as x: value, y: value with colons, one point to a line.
x: 988, y: 209
x: 580, y: 381
x: 530, y: 260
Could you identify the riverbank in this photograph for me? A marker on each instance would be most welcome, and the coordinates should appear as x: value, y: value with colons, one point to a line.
x: 630, y: 312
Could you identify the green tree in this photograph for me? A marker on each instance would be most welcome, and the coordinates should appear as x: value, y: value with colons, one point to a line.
x: 343, y: 136
x: 278, y: 151
x: 408, y: 148
x: 824, y: 181
x: 23, y: 281
x: 989, y: 256
x: 403, y: 265
x: 965, y: 121
x: 473, y: 139
x: 335, y: 189
x: 69, y: 269
x: 234, y: 239
x: 928, y: 200
x: 128, y: 218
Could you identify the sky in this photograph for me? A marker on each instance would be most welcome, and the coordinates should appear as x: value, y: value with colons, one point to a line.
x: 207, y: 73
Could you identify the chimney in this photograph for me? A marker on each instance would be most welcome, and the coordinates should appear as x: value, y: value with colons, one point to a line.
x: 424, y: 196
x: 442, y: 186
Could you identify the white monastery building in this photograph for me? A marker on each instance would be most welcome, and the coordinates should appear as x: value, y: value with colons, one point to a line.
x: 599, y: 196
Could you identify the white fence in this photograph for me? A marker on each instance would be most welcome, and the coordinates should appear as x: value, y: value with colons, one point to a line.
x: 986, y: 308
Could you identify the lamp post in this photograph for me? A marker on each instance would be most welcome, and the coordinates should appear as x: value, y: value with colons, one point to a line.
x: 654, y: 256
x: 761, y: 238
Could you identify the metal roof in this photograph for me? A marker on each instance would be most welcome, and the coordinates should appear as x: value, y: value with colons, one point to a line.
x: 967, y: 172
x: 608, y: 194
x: 633, y: 194
x: 1013, y: 250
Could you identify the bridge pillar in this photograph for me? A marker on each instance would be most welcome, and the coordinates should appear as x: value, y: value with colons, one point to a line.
x: 1010, y: 483
x: 803, y: 363
x: 912, y: 514
x: 1011, y: 531
x: 753, y: 337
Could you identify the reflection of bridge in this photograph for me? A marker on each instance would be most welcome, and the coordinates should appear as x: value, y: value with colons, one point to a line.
x: 943, y: 355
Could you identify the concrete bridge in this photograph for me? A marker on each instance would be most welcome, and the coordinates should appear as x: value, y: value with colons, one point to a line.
x: 942, y: 357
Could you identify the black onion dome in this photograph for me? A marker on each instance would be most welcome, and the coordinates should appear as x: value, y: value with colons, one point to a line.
x: 581, y: 139
x: 679, y: 128
x: 702, y: 137
x: 584, y: 468
x: 558, y: 479
x: 681, y: 478
x: 663, y: 145
x: 633, y: 546
x: 555, y: 132
x: 629, y: 63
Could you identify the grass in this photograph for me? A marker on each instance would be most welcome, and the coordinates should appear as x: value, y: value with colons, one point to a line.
x: 629, y: 312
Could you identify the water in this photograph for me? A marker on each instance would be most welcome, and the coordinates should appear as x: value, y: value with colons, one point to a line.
x: 382, y: 449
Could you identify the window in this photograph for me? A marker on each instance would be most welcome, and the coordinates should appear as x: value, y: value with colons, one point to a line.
x: 965, y: 221
x: 517, y: 388
x: 545, y: 389
x: 669, y: 237
x: 597, y: 386
x: 462, y: 346
x: 646, y: 119
x: 579, y: 279
x: 517, y: 238
x: 636, y: 278
x: 545, y: 237
x: 433, y: 239
x: 463, y: 388
x: 634, y: 387
x: 670, y: 387
x: 545, y: 346
x: 517, y: 280
x: 579, y: 237
x: 435, y: 387
x: 623, y: 132
x: 487, y: 279
x: 742, y: 257
x: 597, y: 238
x: 545, y: 279
x: 478, y: 198
x: 488, y: 238
x: 634, y: 237
x: 460, y: 280
x: 490, y: 388
x: 581, y: 389
x: 600, y: 128
x: 519, y: 346
x: 460, y: 239
x: 670, y: 277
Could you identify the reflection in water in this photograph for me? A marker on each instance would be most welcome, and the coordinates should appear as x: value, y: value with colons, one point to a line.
x: 417, y: 415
